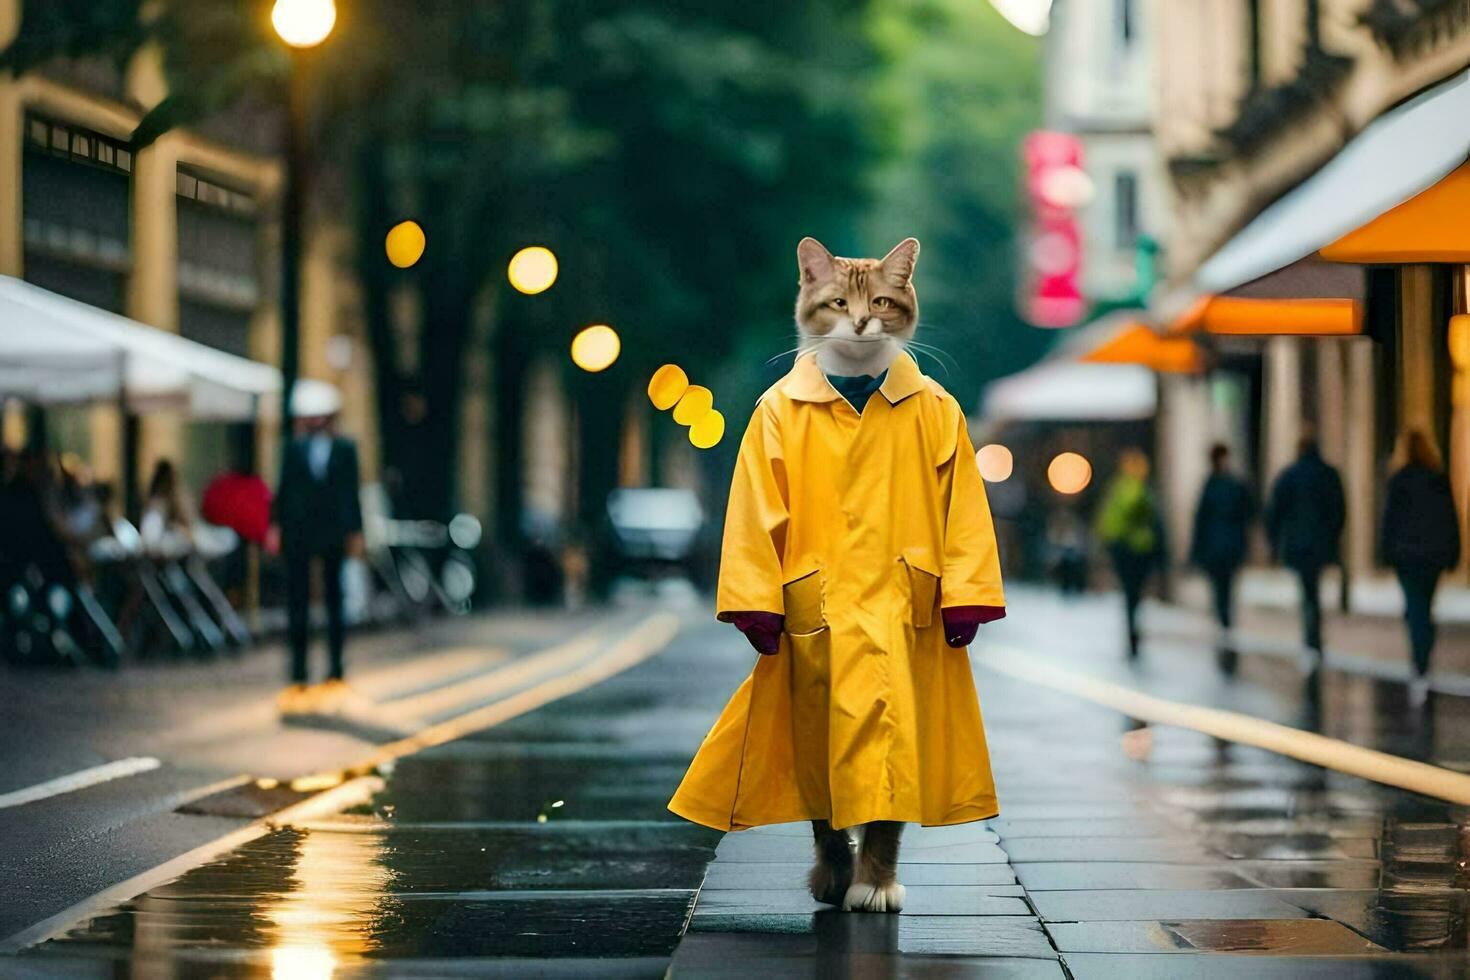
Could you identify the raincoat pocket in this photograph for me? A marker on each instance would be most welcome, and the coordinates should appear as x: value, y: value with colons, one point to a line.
x: 803, y: 599
x: 923, y: 586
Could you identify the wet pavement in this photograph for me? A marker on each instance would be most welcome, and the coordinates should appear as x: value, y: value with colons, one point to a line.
x: 541, y: 847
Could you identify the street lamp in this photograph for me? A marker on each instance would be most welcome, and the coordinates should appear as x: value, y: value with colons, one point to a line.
x: 302, y: 25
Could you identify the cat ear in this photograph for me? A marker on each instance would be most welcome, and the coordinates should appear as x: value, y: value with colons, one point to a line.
x: 900, y: 262
x: 814, y: 261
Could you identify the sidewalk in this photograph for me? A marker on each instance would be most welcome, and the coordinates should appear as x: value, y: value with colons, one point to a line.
x: 1370, y: 638
x: 1158, y: 853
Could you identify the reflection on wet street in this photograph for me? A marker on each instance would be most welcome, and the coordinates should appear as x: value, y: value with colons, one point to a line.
x: 1120, y: 848
x: 543, y: 838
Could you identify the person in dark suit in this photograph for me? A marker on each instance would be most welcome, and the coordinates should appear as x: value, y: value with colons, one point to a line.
x: 1221, y: 527
x: 1305, y: 519
x: 317, y: 519
x: 1421, y: 540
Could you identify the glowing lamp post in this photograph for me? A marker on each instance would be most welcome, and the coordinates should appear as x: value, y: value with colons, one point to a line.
x: 405, y: 244
x: 1069, y: 473
x: 302, y: 25
x: 532, y: 270
x: 995, y: 462
x: 595, y: 348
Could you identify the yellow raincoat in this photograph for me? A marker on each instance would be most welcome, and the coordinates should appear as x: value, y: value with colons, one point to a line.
x: 858, y: 529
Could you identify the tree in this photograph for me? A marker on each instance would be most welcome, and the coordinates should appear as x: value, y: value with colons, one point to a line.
x: 665, y: 152
x: 958, y: 89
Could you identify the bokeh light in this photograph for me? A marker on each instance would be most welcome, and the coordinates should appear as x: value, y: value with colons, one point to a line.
x: 1069, y: 473
x: 405, y: 244
x: 995, y: 463
x: 303, y: 23
x: 667, y: 386
x: 532, y: 270
x: 707, y: 430
x: 596, y: 347
x: 696, y: 401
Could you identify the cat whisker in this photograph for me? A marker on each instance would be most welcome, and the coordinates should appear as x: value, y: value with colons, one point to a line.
x: 790, y: 350
x: 940, y: 356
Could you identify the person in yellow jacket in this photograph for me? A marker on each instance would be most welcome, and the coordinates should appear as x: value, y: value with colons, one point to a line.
x: 859, y: 558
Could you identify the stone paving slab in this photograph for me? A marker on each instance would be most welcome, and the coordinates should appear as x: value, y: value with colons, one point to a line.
x: 1277, y: 937
x: 1206, y: 966
x: 922, y: 900
x: 740, y: 956
x: 1162, y: 850
x: 766, y: 848
x: 987, y: 935
x: 778, y: 876
x: 1130, y: 826
x: 1071, y: 876
x: 1292, y: 847
x: 1311, y: 874
x: 1112, y: 905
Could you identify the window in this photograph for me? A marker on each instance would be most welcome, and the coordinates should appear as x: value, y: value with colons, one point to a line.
x: 219, y: 281
x: 1254, y: 54
x: 75, y: 211
x: 1125, y: 209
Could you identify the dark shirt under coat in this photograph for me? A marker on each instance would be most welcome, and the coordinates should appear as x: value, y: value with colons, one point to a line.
x: 317, y: 515
x: 1421, y: 528
x: 1307, y: 514
x: 1222, y: 523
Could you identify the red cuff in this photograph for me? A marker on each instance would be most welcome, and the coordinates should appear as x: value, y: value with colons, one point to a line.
x: 762, y: 629
x: 961, y: 623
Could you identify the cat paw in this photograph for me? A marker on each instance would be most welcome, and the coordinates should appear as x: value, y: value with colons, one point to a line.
x: 828, y: 883
x: 867, y: 897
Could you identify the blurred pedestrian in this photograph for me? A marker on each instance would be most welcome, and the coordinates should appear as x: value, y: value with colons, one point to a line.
x: 1221, y: 526
x: 1304, y: 519
x: 1128, y: 526
x: 317, y: 521
x: 167, y: 520
x: 1066, y: 543
x: 1421, y: 540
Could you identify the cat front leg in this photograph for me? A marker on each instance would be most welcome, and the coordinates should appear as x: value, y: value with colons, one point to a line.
x: 832, y: 873
x: 875, y: 886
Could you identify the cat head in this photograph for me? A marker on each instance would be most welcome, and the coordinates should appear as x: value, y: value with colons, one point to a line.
x: 857, y: 313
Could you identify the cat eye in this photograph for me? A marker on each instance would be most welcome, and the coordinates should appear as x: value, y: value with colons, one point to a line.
x: 840, y: 303
x: 882, y: 303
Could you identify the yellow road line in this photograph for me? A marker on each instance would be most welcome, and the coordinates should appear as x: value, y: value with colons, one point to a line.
x: 347, y: 794
x: 422, y: 669
x: 645, y: 640
x: 353, y: 785
x: 1232, y: 726
x: 484, y: 686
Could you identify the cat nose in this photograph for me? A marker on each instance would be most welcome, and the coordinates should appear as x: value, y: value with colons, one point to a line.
x: 863, y: 325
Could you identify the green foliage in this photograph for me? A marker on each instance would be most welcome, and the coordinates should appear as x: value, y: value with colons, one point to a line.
x: 956, y: 90
x: 672, y: 154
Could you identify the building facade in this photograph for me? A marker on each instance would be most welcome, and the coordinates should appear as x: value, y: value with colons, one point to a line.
x: 180, y: 236
x: 1266, y: 112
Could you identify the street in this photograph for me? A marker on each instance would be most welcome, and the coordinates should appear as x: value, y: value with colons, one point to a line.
x: 539, y: 846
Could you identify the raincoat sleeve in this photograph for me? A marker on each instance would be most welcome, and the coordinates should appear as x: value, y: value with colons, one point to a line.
x: 971, y: 573
x: 755, y: 523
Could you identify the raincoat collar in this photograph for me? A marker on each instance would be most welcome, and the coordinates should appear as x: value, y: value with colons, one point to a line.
x: 806, y: 382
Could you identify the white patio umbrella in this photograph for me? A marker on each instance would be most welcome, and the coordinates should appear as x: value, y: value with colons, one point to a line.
x: 55, y: 350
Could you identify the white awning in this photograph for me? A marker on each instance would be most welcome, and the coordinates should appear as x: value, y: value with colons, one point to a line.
x: 55, y: 350
x: 1403, y: 152
x: 1069, y: 391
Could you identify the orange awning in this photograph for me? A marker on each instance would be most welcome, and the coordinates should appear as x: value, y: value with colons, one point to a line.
x: 1138, y: 344
x: 1242, y: 317
x: 1428, y: 227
